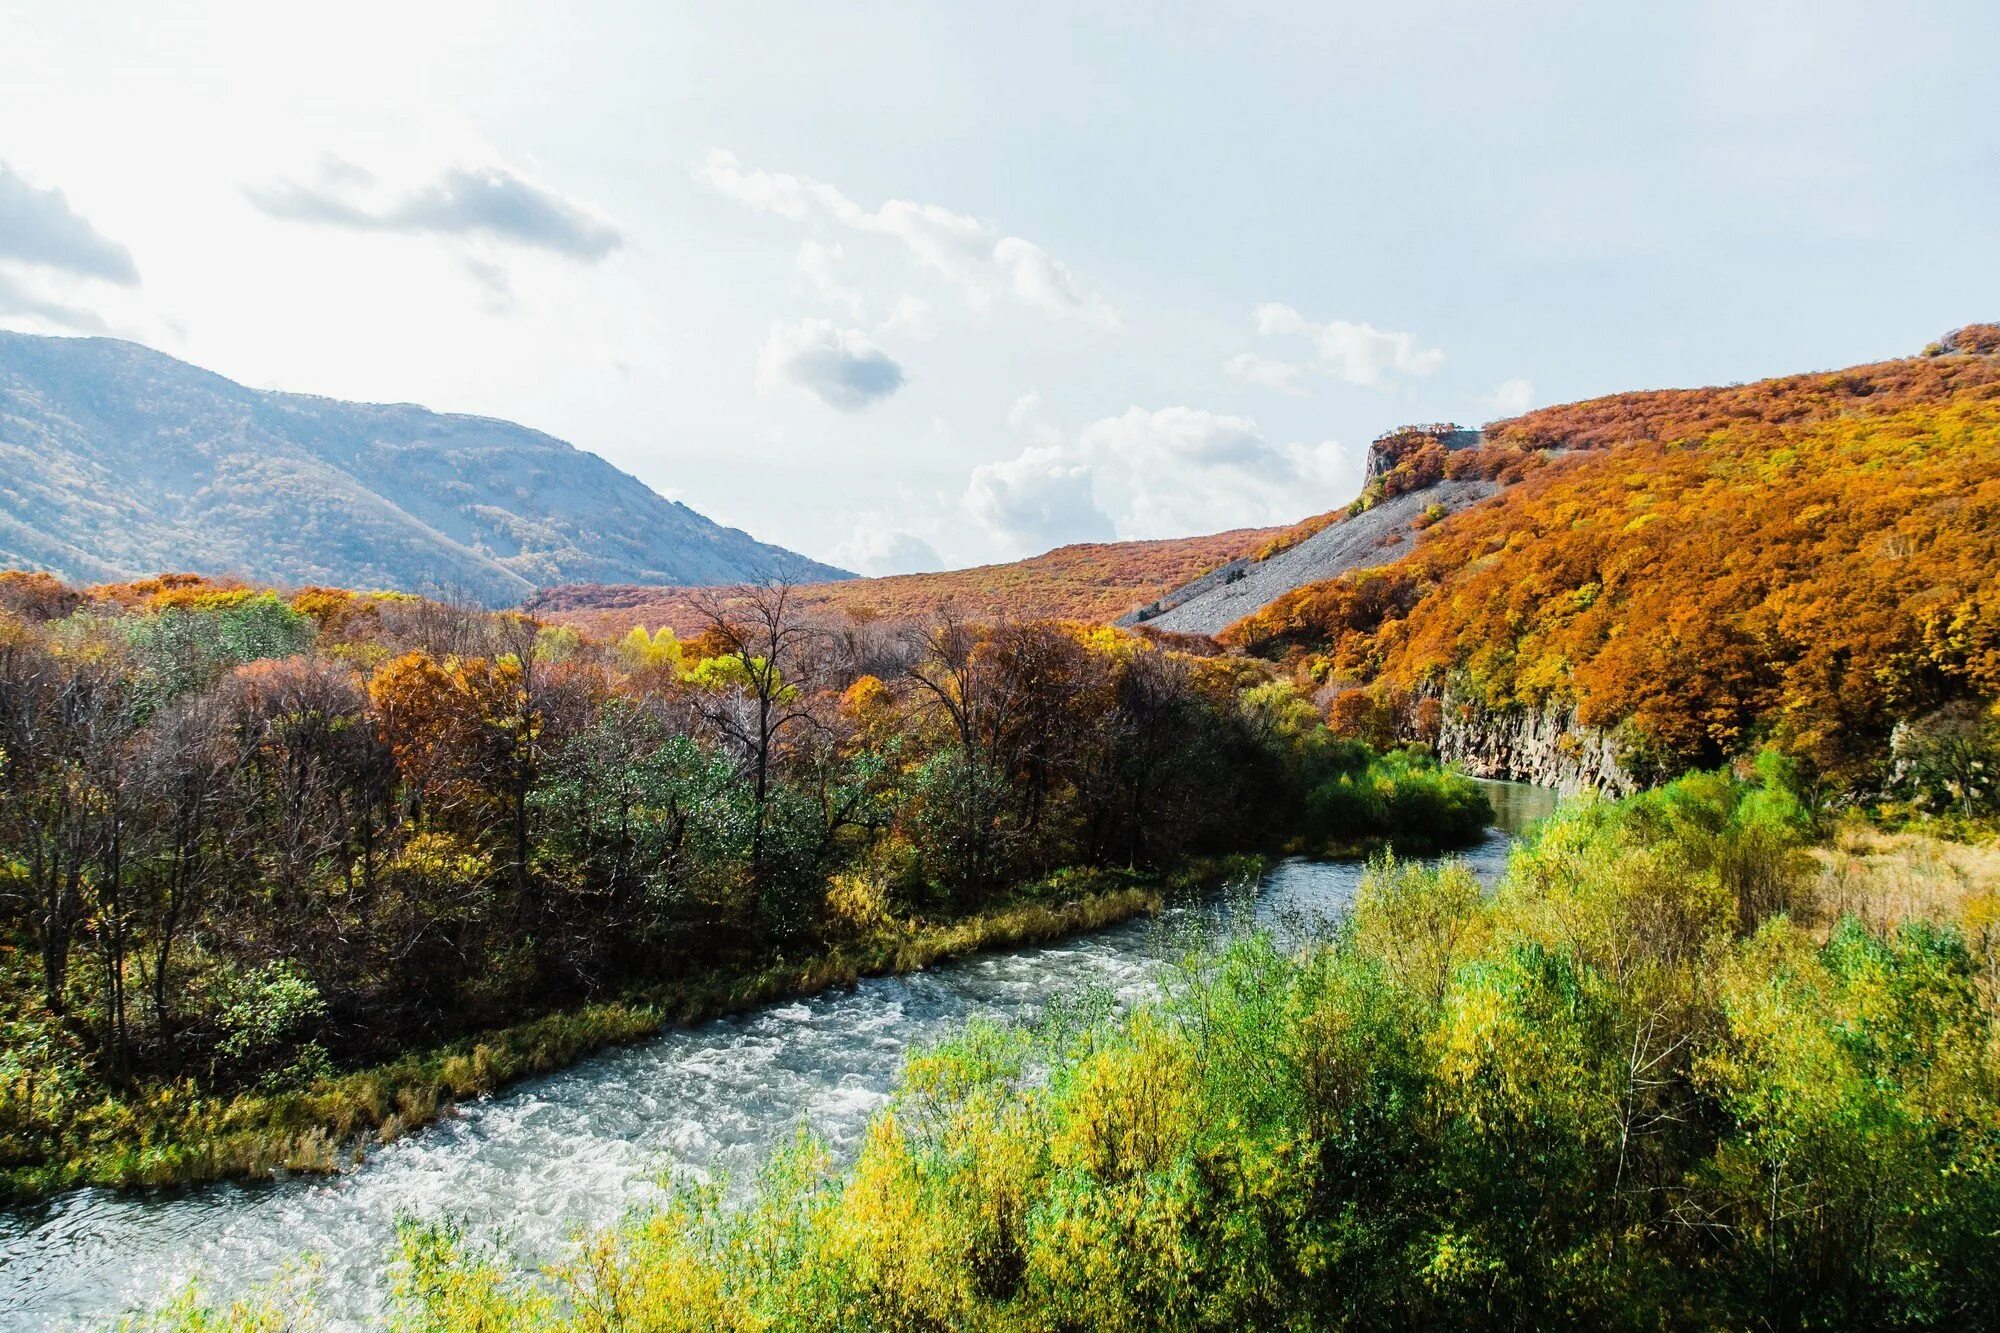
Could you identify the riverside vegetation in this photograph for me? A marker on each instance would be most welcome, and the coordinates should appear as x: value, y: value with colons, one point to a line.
x: 280, y: 875
x: 1694, y: 1064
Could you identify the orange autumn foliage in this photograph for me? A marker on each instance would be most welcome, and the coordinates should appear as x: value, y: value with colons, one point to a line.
x: 162, y: 591
x: 1804, y: 560
x: 35, y: 596
x: 449, y: 724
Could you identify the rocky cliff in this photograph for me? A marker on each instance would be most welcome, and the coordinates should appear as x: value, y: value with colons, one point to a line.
x: 1544, y: 746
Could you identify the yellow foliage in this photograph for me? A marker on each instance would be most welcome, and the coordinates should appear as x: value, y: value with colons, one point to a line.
x: 658, y: 651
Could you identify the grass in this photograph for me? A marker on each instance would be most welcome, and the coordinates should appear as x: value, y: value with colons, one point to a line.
x: 1882, y: 877
x: 178, y: 1135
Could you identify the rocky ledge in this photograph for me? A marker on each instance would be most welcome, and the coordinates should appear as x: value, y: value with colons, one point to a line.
x: 1543, y: 745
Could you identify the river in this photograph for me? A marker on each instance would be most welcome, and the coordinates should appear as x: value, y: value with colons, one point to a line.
x: 529, y: 1166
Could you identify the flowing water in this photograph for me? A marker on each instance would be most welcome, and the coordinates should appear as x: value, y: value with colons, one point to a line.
x: 530, y: 1165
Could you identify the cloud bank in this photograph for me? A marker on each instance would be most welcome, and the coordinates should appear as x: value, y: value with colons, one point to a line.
x: 38, y: 226
x: 878, y: 549
x: 1280, y: 375
x: 49, y: 251
x: 1512, y: 398
x: 1041, y: 498
x: 1148, y: 473
x: 1340, y: 349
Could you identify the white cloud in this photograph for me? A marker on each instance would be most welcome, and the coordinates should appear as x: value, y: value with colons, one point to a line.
x: 821, y: 264
x: 1284, y: 376
x: 967, y: 252
x: 787, y: 195
x: 1319, y: 475
x: 22, y: 298
x: 491, y: 202
x: 1176, y: 437
x: 1177, y: 470
x: 911, y: 317
x: 876, y: 548
x: 493, y: 279
x: 1355, y: 353
x: 1512, y: 398
x: 840, y: 367
x: 1042, y: 280
x: 49, y: 252
x: 1038, y: 499
x: 1151, y: 473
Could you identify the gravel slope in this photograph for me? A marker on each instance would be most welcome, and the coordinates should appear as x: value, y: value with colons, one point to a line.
x: 1382, y: 534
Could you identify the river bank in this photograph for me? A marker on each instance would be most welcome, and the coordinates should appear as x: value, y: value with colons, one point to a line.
x: 177, y: 1136
x: 577, y: 1147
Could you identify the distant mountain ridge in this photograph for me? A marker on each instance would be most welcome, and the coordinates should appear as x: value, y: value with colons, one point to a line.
x: 118, y: 461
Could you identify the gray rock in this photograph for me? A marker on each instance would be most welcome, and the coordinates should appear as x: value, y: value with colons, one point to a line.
x: 1377, y: 536
x: 1543, y: 745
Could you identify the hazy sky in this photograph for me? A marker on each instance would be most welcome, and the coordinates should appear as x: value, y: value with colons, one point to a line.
x: 906, y: 284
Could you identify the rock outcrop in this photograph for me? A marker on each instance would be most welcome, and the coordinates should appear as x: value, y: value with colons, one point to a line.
x: 1390, y: 451
x: 1543, y: 745
x: 1373, y: 537
x: 1404, y: 489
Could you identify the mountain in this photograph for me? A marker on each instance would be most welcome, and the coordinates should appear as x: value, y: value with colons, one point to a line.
x: 118, y: 461
x: 1089, y: 581
x: 1679, y: 577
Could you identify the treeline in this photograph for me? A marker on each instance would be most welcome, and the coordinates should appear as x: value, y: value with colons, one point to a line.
x: 247, y: 840
x: 1650, y: 1082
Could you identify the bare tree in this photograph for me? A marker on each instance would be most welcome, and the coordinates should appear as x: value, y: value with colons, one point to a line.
x: 778, y: 652
x: 188, y: 766
x: 57, y: 715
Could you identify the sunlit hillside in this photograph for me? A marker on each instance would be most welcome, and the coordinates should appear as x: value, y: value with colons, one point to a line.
x: 1808, y: 560
x: 1088, y: 581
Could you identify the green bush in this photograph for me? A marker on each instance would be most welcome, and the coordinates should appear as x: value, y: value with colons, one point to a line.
x: 1402, y: 798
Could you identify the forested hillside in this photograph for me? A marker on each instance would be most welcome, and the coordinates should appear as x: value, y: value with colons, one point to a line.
x: 1808, y: 561
x: 118, y: 462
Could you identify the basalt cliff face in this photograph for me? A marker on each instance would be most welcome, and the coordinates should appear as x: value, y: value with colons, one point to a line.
x: 1540, y: 745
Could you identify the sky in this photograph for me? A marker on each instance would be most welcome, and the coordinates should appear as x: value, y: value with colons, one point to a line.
x: 915, y: 285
